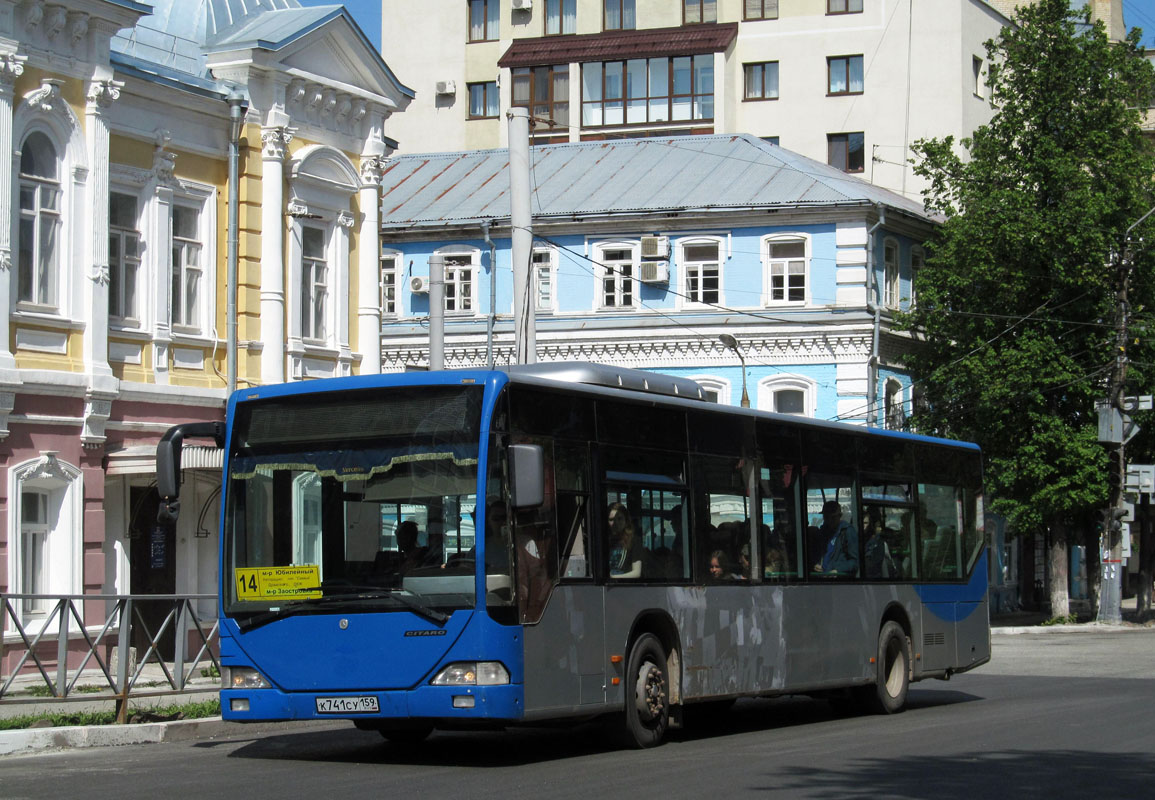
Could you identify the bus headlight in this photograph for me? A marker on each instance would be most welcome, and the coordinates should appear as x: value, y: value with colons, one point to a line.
x: 472, y: 673
x: 245, y: 678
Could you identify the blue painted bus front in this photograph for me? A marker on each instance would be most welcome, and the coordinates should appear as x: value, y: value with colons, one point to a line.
x: 391, y: 656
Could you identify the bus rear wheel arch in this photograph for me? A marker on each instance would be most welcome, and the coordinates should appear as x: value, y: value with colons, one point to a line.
x: 893, y: 665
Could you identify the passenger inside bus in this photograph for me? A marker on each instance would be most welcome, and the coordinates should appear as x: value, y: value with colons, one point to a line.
x: 879, y: 563
x: 719, y: 567
x: 625, y: 546
x: 840, y: 557
x: 412, y: 555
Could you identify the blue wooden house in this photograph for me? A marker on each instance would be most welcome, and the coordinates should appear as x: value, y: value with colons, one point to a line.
x: 652, y: 253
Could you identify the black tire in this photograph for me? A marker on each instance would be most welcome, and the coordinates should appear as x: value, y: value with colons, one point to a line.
x: 893, y: 671
x: 406, y: 737
x: 647, y: 711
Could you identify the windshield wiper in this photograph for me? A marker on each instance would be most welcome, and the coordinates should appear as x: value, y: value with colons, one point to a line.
x: 350, y: 595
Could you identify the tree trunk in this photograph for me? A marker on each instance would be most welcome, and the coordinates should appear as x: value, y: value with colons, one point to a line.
x: 1057, y: 571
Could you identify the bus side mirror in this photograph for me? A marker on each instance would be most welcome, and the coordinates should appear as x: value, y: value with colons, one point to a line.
x: 526, y: 475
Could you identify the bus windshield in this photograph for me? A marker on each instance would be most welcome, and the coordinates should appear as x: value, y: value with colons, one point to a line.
x: 365, y: 498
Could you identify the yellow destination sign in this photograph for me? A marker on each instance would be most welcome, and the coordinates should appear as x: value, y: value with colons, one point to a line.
x: 279, y: 583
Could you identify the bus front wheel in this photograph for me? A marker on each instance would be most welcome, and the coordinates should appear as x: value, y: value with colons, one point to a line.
x: 893, y: 665
x: 647, y: 712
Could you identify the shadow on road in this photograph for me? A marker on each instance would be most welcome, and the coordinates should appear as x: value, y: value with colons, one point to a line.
x: 1014, y: 773
x: 527, y: 745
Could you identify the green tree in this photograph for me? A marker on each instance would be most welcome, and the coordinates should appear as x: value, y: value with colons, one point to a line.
x: 1016, y: 306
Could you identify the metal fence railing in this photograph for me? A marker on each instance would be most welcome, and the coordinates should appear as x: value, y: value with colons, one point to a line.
x: 105, y: 644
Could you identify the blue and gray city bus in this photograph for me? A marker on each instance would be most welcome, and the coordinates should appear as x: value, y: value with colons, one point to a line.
x: 435, y: 550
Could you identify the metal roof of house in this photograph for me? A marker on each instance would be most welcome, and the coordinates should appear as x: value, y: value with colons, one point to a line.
x: 700, y: 174
x: 642, y: 43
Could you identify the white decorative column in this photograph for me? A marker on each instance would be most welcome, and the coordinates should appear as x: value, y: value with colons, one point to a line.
x: 102, y: 385
x: 340, y: 250
x: 164, y: 181
x: 11, y: 68
x: 368, y: 298
x: 274, y: 141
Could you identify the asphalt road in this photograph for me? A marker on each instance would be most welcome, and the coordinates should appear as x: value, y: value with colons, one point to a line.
x: 1053, y: 716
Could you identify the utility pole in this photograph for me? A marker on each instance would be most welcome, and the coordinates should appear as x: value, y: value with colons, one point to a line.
x: 1111, y: 539
x: 521, y: 236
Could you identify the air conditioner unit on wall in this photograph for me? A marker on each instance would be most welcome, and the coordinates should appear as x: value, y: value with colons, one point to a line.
x: 446, y: 87
x: 419, y: 284
x: 654, y: 272
x: 522, y: 5
x: 655, y: 247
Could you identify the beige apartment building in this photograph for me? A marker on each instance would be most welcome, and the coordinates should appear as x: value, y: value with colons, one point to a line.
x: 849, y: 82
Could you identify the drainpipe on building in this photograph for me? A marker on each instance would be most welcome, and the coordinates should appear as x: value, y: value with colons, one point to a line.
x: 436, y: 312
x: 492, y: 316
x: 874, y: 308
x: 236, y: 118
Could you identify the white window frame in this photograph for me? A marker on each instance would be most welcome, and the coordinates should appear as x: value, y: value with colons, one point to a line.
x: 770, y: 266
x: 315, y: 306
x: 890, y: 272
x: 118, y: 266
x: 40, y: 215
x: 688, y: 297
x: 713, y: 383
x: 459, y: 276
x: 389, y: 275
x: 894, y: 402
x: 544, y: 264
x: 770, y: 386
x: 199, y: 197
x: 63, y: 485
x: 623, y: 284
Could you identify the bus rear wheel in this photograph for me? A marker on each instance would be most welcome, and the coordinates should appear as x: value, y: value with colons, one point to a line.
x: 647, y: 712
x: 888, y: 695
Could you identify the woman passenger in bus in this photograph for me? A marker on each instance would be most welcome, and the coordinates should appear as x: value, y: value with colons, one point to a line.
x: 625, y: 546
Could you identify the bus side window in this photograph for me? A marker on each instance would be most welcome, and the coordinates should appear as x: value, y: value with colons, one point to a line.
x: 723, y: 516
x: 939, y: 520
x: 571, y: 476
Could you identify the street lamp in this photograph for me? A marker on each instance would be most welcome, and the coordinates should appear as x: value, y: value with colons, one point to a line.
x: 732, y: 343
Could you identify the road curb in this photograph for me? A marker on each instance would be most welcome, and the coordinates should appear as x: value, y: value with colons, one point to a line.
x: 30, y: 740
x: 1086, y: 627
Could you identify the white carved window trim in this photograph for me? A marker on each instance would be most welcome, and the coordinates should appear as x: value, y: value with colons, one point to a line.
x: 894, y: 404
x: 544, y: 261
x: 389, y: 274
x: 769, y: 387
x: 687, y: 297
x: 63, y: 484
x: 199, y: 197
x: 323, y: 185
x: 135, y: 319
x: 713, y: 383
x: 890, y: 272
x: 461, y: 266
x: 623, y: 275
x: 771, y: 266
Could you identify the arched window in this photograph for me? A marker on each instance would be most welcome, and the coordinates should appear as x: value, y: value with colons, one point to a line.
x: 788, y: 394
x: 461, y: 268
x: 45, y: 501
x: 700, y: 264
x: 39, y: 230
x: 895, y: 410
x: 716, y: 389
x: 616, y: 274
x: 786, y: 268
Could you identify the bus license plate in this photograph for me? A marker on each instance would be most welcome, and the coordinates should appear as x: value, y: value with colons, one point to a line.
x: 366, y: 704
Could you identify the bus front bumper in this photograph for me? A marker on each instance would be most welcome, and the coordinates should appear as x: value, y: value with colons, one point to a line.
x: 449, y: 703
